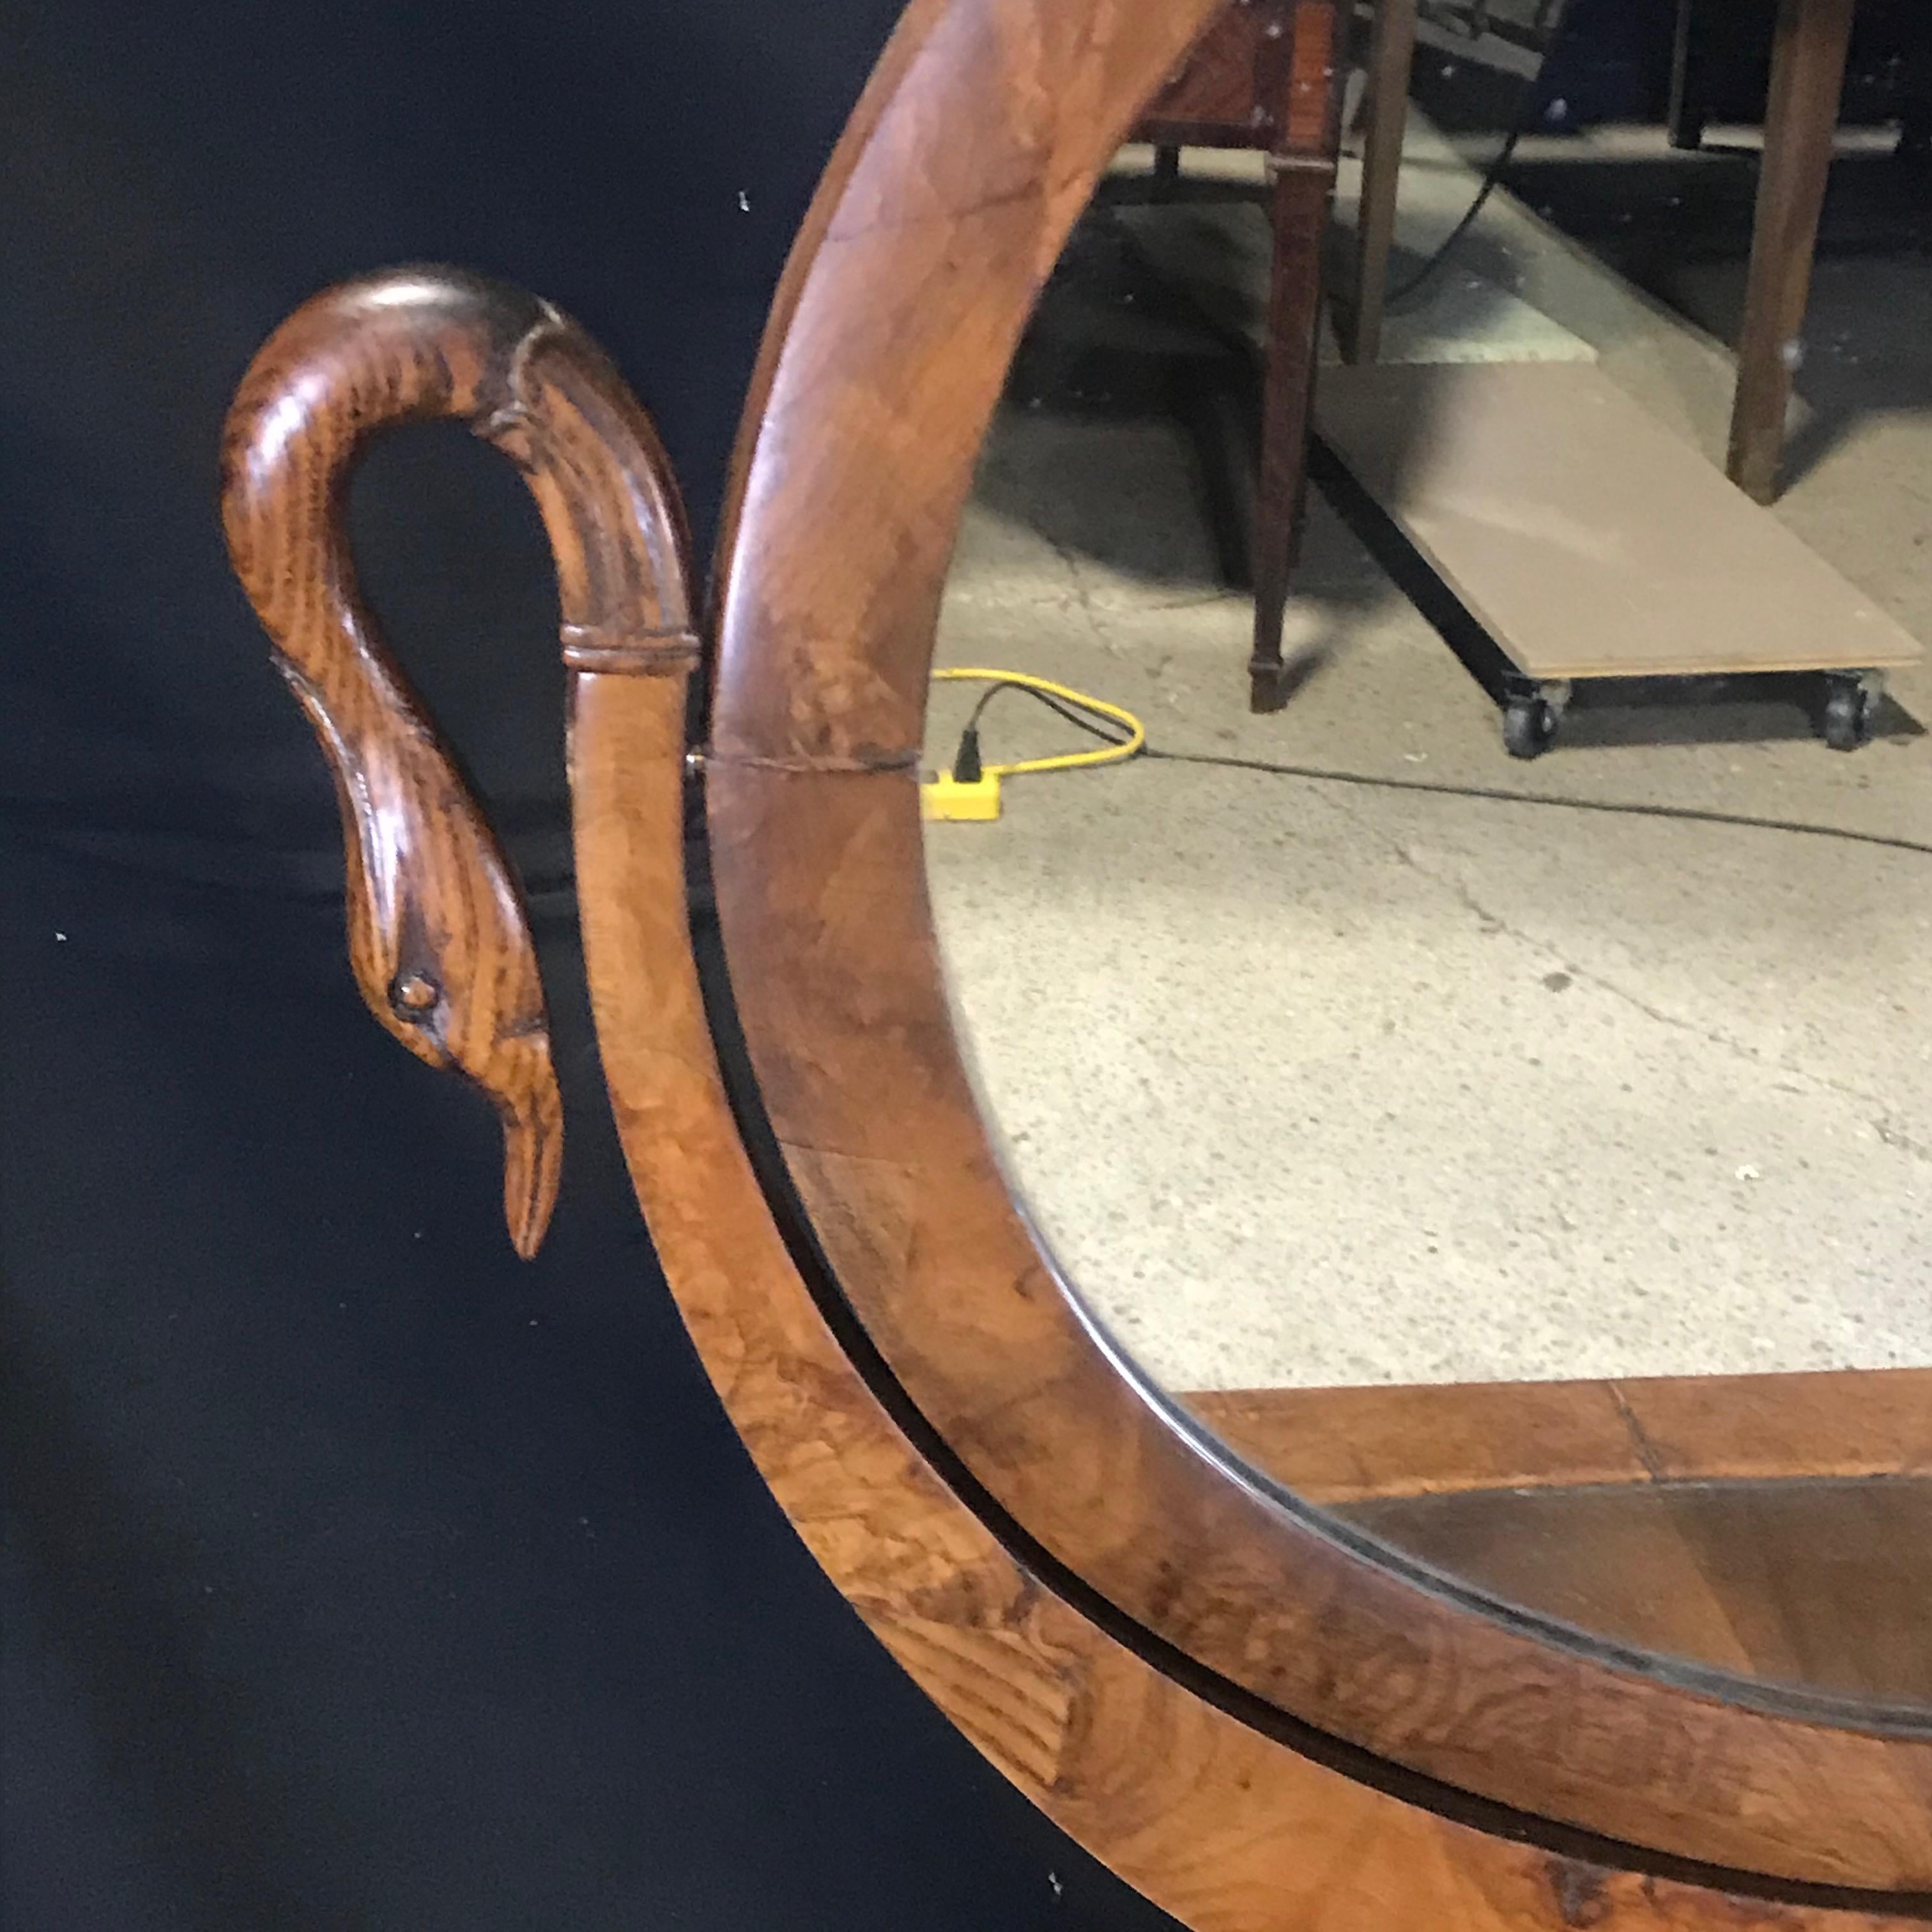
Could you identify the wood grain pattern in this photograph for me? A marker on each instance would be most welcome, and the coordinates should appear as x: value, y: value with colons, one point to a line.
x: 1234, y: 1832
x: 1391, y: 59
x: 1345, y: 1445
x: 982, y: 135
x: 1818, y: 1581
x: 1229, y: 1829
x: 438, y: 939
x: 1847, y: 1422
x: 1234, y: 88
x: 1225, y: 1823
x: 1807, y: 76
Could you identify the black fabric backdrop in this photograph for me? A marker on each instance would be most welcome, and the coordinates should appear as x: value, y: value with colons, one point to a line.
x: 355, y: 1574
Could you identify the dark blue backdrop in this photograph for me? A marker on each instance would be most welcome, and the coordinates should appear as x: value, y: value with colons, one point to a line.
x: 354, y: 1575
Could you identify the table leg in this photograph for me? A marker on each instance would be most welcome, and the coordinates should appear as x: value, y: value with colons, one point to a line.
x: 1391, y: 56
x: 1808, y: 80
x: 1915, y: 106
x: 1685, y: 121
x: 1299, y: 205
x: 1301, y: 176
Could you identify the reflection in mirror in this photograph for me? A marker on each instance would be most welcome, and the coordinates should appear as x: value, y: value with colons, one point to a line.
x: 1527, y: 1161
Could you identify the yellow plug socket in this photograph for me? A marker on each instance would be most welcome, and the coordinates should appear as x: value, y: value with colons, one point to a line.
x: 975, y: 802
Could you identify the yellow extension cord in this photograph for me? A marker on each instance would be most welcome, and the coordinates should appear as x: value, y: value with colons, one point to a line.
x: 947, y: 797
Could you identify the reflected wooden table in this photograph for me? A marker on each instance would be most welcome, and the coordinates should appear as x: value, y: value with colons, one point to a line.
x: 1813, y: 38
x: 1266, y: 75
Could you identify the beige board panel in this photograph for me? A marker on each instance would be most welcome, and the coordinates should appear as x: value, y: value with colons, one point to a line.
x: 1588, y: 539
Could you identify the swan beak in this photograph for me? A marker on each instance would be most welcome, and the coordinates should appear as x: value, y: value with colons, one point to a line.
x: 533, y: 1160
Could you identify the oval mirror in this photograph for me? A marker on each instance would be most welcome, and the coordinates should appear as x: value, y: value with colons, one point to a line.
x: 1523, y: 1161
x: 1415, y: 1240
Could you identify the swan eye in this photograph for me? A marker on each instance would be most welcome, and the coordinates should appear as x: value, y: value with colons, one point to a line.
x: 413, y: 995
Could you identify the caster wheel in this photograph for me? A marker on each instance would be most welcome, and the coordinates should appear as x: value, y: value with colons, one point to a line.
x: 1529, y: 727
x: 1848, y: 716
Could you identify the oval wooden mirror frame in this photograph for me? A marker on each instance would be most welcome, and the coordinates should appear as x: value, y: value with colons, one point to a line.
x: 978, y: 142
x: 1261, y: 1721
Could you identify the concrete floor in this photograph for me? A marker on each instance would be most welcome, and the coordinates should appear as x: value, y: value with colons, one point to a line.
x: 1314, y: 1083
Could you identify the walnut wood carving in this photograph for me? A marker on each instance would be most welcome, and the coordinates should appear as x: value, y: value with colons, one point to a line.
x: 950, y: 196
x: 1227, y: 1828
x: 974, y: 146
x: 1231, y: 1829
x: 437, y: 936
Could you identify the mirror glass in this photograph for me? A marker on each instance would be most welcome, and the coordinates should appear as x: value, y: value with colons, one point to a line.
x: 1489, y: 1085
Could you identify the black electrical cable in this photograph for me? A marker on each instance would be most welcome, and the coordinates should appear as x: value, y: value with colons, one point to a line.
x: 986, y: 697
x: 1106, y: 729
x: 1529, y: 110
x: 1687, y: 813
x: 969, y: 765
x: 1493, y: 794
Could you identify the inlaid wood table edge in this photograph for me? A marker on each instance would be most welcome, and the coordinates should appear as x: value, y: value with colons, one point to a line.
x: 1352, y: 1444
x: 969, y: 160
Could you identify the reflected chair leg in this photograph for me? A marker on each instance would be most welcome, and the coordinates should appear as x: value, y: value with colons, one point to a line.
x: 1391, y: 56
x: 1914, y: 108
x: 1808, y: 78
x: 1299, y: 204
x: 1685, y: 125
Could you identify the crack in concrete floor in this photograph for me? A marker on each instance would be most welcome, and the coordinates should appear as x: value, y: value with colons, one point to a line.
x: 1881, y: 1123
